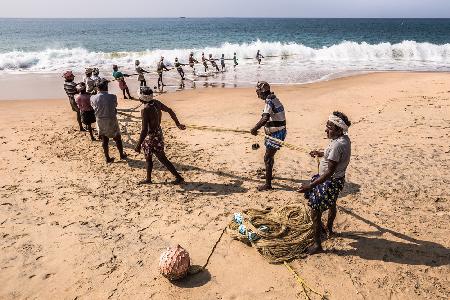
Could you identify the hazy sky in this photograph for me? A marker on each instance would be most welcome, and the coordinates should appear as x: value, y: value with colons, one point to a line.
x: 225, y: 8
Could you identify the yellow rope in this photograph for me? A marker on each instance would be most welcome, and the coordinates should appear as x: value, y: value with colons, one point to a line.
x: 220, y: 129
x: 302, y: 282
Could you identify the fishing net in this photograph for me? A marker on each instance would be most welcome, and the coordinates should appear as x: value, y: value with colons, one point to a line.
x: 277, y: 234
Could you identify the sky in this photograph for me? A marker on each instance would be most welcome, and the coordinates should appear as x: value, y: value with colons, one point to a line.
x: 225, y: 8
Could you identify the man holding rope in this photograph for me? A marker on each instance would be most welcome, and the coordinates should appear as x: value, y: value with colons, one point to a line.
x: 274, y: 121
x: 151, y: 139
x: 324, y: 188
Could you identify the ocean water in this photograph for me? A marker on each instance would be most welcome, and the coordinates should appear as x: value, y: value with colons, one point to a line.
x: 295, y: 50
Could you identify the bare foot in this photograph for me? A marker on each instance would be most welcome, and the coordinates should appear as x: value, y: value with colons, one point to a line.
x: 178, y: 181
x: 314, y: 249
x: 146, y: 181
x: 109, y: 160
x: 265, y: 187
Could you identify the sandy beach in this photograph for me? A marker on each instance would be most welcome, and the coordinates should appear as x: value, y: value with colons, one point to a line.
x: 72, y: 227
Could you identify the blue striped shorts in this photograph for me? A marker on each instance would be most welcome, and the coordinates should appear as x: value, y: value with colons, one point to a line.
x: 279, y: 135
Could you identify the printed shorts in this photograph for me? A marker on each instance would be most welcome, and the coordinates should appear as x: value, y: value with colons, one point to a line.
x: 153, y: 143
x: 324, y: 195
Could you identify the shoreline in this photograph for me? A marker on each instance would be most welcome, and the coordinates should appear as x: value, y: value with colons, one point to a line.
x: 49, y: 86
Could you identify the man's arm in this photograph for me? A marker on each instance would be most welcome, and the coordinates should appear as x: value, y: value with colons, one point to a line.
x: 144, y: 131
x: 173, y: 116
x: 261, y: 123
x: 324, y: 177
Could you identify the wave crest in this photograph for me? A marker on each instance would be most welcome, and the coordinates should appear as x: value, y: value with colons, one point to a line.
x: 54, y: 60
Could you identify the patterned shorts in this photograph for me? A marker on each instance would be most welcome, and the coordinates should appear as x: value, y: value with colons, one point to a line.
x: 324, y: 195
x: 153, y: 143
x: 279, y: 135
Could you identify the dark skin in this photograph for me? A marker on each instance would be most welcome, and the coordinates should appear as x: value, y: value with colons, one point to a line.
x: 160, y: 73
x: 105, y: 143
x: 126, y: 90
x: 151, y: 122
x: 89, y: 126
x: 333, y: 132
x: 269, y: 156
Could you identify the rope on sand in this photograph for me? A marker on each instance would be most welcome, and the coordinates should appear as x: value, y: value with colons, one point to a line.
x: 284, y: 233
x: 302, y: 282
x: 196, y: 269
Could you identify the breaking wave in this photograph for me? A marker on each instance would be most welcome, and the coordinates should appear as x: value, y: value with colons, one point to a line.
x: 366, y: 56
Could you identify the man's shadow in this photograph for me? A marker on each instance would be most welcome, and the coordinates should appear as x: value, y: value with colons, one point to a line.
x: 215, y: 189
x: 370, y: 245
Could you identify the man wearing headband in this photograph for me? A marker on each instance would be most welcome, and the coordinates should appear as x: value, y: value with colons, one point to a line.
x: 274, y: 121
x: 151, y: 139
x: 71, y: 90
x: 324, y: 188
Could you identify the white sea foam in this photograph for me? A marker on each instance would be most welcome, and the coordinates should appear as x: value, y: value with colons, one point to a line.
x: 288, y: 62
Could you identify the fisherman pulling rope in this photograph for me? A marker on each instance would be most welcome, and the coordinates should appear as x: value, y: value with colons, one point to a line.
x: 274, y: 121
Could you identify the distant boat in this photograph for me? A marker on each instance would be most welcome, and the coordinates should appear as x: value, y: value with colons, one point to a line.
x: 182, y: 17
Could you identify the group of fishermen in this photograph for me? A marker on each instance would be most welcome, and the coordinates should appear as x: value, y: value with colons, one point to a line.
x: 162, y: 67
x: 92, y: 102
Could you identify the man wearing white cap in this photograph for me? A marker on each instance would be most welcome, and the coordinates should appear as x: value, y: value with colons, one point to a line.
x: 324, y: 188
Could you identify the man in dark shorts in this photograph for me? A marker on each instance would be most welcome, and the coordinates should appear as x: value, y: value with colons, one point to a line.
x: 151, y: 139
x: 258, y: 57
x: 274, y: 121
x: 140, y: 71
x: 213, y: 62
x: 83, y: 100
x: 204, y: 62
x: 105, y: 107
x: 235, y: 63
x: 179, y: 67
x: 71, y: 90
x: 192, y: 60
x: 324, y: 188
x: 161, y: 67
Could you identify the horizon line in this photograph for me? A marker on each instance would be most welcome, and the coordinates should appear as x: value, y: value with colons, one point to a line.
x: 185, y: 17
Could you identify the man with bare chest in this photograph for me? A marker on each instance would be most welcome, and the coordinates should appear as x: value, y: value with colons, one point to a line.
x: 151, y: 139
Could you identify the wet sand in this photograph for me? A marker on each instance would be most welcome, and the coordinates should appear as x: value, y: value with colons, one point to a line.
x: 73, y: 227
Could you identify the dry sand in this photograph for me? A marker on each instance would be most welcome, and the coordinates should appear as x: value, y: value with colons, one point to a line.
x: 72, y: 227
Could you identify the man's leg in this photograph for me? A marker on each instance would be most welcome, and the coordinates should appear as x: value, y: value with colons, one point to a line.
x: 316, y: 216
x: 124, y: 96
x: 105, y: 141
x: 79, y: 121
x: 148, y: 168
x: 90, y: 132
x: 163, y: 159
x: 128, y: 92
x: 118, y: 140
x: 269, y: 160
x: 331, y: 217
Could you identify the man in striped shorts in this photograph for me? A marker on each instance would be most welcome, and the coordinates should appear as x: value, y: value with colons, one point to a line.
x: 274, y: 121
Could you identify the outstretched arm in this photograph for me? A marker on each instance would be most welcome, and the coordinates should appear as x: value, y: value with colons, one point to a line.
x: 143, y: 131
x: 173, y: 116
x: 261, y: 123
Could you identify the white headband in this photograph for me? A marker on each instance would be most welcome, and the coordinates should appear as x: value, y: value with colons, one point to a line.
x: 146, y: 98
x: 338, y: 122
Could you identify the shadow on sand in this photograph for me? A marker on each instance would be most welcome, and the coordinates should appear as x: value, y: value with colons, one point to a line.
x: 193, y: 281
x: 410, y: 251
